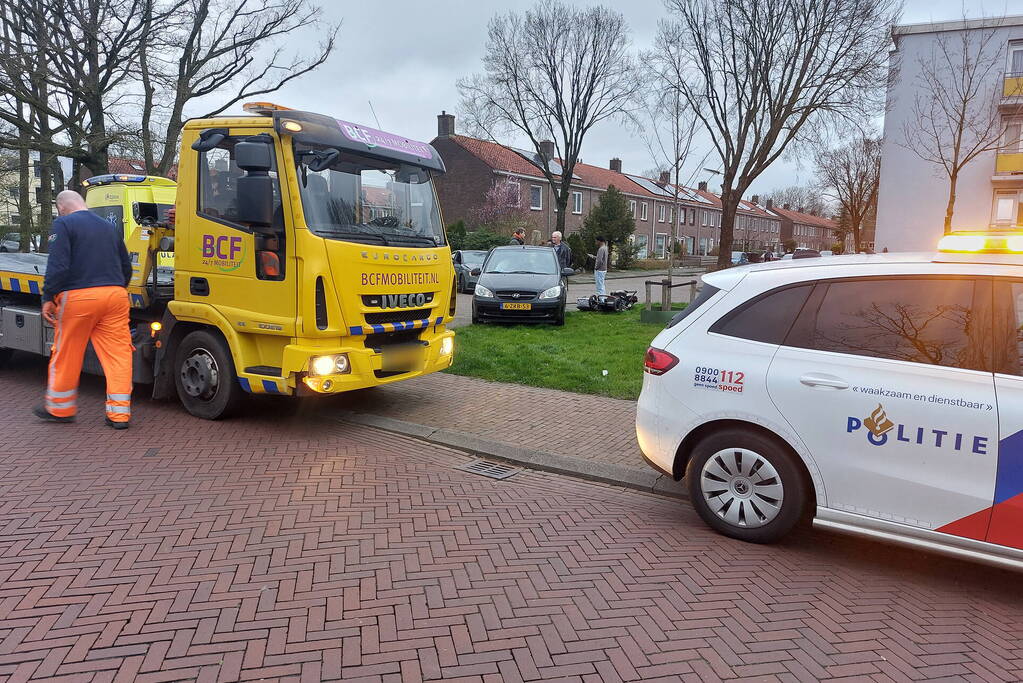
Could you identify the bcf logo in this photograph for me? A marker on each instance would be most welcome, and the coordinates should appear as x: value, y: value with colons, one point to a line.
x: 221, y: 246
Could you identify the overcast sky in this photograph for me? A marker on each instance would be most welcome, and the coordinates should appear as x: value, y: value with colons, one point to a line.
x: 405, y: 58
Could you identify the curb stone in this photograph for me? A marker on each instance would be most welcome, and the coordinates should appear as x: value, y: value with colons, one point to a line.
x: 642, y: 479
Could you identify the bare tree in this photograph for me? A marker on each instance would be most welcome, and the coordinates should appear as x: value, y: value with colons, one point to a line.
x: 670, y: 129
x: 227, y: 50
x: 955, y: 117
x: 552, y: 74
x: 850, y: 175
x: 762, y: 74
x: 800, y: 197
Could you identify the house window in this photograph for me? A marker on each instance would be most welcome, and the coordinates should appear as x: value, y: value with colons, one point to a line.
x: 37, y: 169
x: 642, y: 246
x: 1015, y: 65
x: 632, y: 207
x: 514, y: 193
x: 643, y: 212
x: 660, y: 213
x: 692, y: 216
x: 1013, y: 141
x: 1008, y: 208
x: 535, y: 197
x: 660, y: 245
x: 13, y: 191
x: 577, y: 202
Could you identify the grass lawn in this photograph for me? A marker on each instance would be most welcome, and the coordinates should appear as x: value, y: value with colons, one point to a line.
x: 571, y: 358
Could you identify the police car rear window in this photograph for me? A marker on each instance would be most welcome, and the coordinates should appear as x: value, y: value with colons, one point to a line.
x: 705, y: 294
x: 766, y: 318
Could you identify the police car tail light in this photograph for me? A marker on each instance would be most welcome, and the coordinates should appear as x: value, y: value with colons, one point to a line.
x: 981, y: 243
x: 658, y: 361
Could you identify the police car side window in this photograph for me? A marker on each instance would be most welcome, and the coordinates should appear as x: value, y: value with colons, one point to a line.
x: 1008, y: 328
x: 765, y: 318
x: 935, y: 321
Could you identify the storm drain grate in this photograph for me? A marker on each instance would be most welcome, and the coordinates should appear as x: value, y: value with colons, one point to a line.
x: 494, y: 470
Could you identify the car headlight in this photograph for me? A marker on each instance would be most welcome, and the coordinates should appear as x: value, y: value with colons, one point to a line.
x: 447, y: 345
x: 330, y: 365
x: 552, y: 293
x: 484, y: 292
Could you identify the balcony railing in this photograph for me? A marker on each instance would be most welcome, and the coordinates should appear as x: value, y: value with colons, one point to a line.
x: 1009, y: 162
x: 1013, y: 85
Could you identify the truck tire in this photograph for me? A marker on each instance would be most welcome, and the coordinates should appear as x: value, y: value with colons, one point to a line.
x: 5, y: 356
x: 204, y: 376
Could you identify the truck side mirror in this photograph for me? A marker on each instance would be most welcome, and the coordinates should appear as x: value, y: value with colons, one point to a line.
x: 253, y: 156
x: 255, y: 199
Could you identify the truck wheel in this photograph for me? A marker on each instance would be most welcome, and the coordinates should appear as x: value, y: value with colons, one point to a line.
x: 204, y: 375
x: 5, y: 356
x: 746, y: 486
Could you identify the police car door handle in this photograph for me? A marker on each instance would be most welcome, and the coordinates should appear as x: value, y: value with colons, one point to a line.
x: 814, y: 379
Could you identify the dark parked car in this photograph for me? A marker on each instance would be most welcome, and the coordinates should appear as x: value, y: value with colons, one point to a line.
x: 465, y: 260
x: 520, y: 284
x: 806, y: 253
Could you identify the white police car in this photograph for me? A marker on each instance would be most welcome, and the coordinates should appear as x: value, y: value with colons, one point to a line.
x: 880, y: 394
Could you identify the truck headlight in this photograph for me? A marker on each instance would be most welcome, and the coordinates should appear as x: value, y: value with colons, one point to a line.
x: 552, y: 293
x: 484, y: 292
x: 329, y: 365
x: 447, y: 345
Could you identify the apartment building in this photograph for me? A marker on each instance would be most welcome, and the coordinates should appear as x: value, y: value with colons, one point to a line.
x: 914, y: 193
x: 475, y: 165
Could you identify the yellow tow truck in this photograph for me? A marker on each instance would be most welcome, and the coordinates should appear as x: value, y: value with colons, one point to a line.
x: 309, y: 258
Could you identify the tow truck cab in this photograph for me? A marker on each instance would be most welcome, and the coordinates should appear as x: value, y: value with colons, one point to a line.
x: 117, y: 197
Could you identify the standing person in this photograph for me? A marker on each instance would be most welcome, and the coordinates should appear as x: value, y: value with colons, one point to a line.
x: 600, y: 267
x: 562, y: 250
x: 85, y: 299
x: 518, y: 237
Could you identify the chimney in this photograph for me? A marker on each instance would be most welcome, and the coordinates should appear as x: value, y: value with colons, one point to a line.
x: 616, y: 165
x: 702, y: 186
x: 786, y: 206
x: 445, y: 125
x: 770, y: 203
x: 665, y: 178
x: 547, y: 150
x: 756, y: 199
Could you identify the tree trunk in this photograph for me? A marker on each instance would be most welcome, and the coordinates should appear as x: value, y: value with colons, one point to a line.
x: 559, y: 223
x: 729, y: 207
x: 855, y: 224
x: 953, y: 179
x: 24, y: 190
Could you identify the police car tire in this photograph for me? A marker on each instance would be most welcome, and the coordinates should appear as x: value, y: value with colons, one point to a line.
x: 229, y: 393
x: 789, y: 471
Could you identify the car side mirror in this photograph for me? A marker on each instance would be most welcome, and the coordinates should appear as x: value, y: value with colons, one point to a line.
x: 474, y: 272
x: 567, y: 271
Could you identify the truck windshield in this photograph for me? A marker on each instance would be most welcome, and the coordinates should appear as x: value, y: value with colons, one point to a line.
x: 358, y: 199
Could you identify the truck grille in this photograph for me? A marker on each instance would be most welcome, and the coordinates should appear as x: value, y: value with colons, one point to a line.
x: 382, y: 339
x: 399, y: 316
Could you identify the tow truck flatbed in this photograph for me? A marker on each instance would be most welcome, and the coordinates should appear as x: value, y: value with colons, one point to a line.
x: 22, y: 273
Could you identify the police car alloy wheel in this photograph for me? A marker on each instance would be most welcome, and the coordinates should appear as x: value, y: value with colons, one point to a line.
x: 746, y: 486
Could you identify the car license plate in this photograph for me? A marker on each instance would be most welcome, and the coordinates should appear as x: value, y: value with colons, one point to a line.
x: 400, y: 360
x: 517, y: 307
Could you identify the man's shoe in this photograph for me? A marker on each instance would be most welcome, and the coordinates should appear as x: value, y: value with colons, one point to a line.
x: 44, y: 415
x: 116, y: 425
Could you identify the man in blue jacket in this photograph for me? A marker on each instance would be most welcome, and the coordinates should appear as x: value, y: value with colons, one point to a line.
x: 85, y: 299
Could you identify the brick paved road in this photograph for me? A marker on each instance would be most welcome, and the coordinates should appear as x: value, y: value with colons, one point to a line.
x: 562, y: 422
x: 275, y: 548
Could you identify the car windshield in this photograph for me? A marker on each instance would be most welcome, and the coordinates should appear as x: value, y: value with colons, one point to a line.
x: 358, y: 199
x: 520, y: 261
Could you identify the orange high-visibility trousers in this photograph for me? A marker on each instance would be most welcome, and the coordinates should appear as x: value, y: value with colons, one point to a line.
x: 99, y: 315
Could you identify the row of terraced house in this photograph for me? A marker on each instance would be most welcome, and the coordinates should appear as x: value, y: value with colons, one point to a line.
x: 474, y: 166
